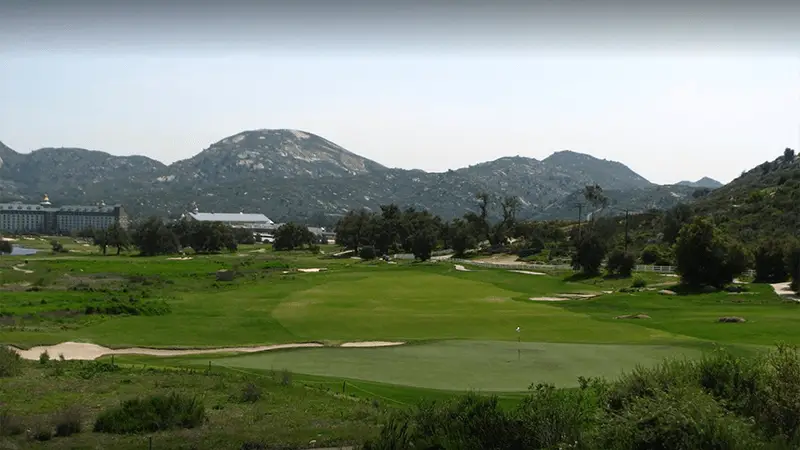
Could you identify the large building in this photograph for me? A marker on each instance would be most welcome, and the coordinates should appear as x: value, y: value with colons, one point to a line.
x: 44, y: 218
x: 254, y: 222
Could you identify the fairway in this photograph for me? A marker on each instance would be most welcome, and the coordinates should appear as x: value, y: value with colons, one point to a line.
x: 464, y: 365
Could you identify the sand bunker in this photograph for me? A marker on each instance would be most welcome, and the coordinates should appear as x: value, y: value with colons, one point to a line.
x: 186, y: 258
x: 88, y: 352
x: 461, y: 268
x: 312, y: 270
x: 784, y: 290
x: 370, y: 344
x: 548, y: 299
x: 527, y: 272
x: 20, y: 269
x: 563, y: 297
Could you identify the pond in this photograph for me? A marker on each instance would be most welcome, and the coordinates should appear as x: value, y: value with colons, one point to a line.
x: 22, y: 251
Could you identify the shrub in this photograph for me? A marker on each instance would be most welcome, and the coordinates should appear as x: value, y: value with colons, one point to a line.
x: 286, y: 377
x: 589, y: 253
x: 639, y: 283
x: 367, y: 252
x: 251, y: 393
x: 10, y: 362
x: 44, y: 358
x: 657, y: 255
x: 770, y: 262
x: 620, y: 263
x: 154, y: 413
x: 680, y: 419
x: 68, y: 422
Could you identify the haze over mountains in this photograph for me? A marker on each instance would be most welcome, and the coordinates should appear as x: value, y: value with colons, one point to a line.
x: 296, y: 174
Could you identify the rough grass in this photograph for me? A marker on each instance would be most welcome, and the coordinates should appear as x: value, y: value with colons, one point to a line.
x: 44, y: 398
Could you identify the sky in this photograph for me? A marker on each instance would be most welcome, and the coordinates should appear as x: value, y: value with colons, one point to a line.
x: 431, y: 89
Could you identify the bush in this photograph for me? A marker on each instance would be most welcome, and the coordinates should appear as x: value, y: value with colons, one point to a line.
x: 44, y: 358
x: 68, y: 422
x: 286, y: 377
x: 154, y: 413
x: 10, y: 362
x: 639, y: 283
x: 251, y: 393
x: 705, y: 256
x: 57, y: 247
x: 680, y: 419
x: 132, y: 306
x: 367, y: 252
x: 620, y: 263
x: 589, y: 254
x: 770, y: 262
x: 657, y: 255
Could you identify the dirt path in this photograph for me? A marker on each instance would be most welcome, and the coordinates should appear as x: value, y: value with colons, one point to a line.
x: 20, y: 269
x: 87, y: 352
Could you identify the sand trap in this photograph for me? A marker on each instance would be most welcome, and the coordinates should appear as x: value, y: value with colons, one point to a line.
x: 7, y: 239
x: 548, y: 299
x: 20, y: 269
x: 527, y: 272
x: 319, y: 269
x: 371, y: 344
x: 186, y: 258
x: 577, y: 295
x: 87, y: 352
x: 461, y: 268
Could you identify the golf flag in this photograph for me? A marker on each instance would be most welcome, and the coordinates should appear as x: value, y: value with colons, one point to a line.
x: 517, y: 329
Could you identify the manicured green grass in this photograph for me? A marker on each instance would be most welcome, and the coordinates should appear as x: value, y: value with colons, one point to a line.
x: 465, y: 365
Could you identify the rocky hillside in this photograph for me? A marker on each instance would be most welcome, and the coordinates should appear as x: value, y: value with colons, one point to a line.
x: 295, y: 174
x: 762, y: 202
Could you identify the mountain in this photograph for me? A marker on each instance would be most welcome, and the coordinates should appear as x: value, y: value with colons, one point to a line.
x: 296, y: 174
x: 704, y: 182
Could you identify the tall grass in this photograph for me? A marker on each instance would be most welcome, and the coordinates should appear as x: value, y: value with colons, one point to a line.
x: 10, y: 362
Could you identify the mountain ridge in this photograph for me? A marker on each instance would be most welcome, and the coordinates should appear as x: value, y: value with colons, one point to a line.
x: 294, y: 173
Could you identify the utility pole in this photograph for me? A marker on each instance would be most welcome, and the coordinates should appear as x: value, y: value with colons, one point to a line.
x: 580, y: 211
x: 626, y: 231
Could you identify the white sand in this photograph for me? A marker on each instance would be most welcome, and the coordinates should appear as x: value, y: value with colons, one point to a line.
x: 314, y: 270
x: 548, y: 299
x: 7, y: 239
x: 461, y: 268
x: 20, y: 269
x: 87, y: 352
x: 370, y: 344
x: 180, y: 259
x: 527, y: 272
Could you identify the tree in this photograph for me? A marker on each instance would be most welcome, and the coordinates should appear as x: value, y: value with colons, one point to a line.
x: 5, y: 246
x: 793, y: 264
x: 352, y: 229
x: 57, y: 247
x: 701, y: 192
x: 788, y: 155
x: 674, y: 220
x: 590, y: 251
x: 210, y: 237
x: 771, y: 262
x: 706, y: 257
x: 620, y: 263
x: 595, y: 196
x: 244, y: 236
x: 100, y: 239
x: 482, y: 224
x: 153, y: 237
x: 291, y: 236
x: 462, y: 238
x: 423, y: 242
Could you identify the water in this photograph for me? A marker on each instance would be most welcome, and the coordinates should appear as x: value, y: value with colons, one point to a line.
x: 22, y: 251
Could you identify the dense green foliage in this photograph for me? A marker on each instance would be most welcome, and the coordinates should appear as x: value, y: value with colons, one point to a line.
x: 155, y: 237
x: 291, y: 236
x: 706, y: 257
x: 590, y: 250
x: 621, y: 263
x: 10, y: 362
x: 771, y: 261
x: 5, y: 246
x: 721, y: 401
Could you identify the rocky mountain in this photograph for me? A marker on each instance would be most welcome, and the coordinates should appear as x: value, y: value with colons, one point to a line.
x: 704, y: 182
x: 291, y: 174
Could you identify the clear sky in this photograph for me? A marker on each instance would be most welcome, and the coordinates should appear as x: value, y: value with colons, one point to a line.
x: 670, y: 112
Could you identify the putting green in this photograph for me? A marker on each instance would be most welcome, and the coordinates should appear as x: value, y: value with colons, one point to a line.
x: 465, y: 365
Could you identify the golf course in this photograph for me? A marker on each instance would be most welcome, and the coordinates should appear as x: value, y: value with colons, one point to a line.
x: 390, y: 332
